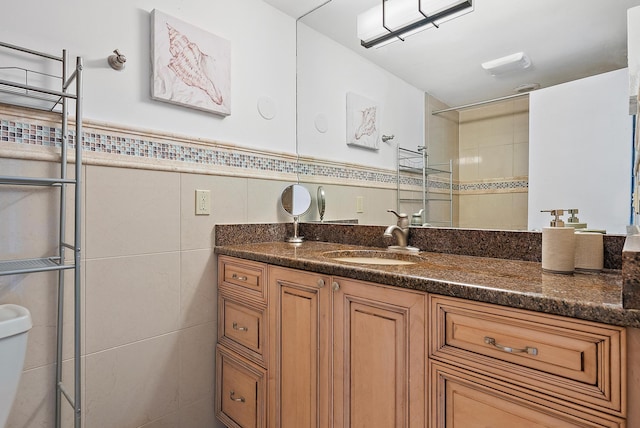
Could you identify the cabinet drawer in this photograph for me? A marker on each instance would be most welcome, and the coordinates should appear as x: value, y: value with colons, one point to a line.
x: 241, y: 394
x: 462, y: 399
x: 242, y: 327
x: 575, y: 360
x: 242, y: 276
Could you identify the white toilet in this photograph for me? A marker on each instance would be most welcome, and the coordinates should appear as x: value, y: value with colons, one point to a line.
x: 15, y: 322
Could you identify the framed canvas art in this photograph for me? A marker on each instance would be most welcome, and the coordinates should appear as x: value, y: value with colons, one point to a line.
x: 362, y: 122
x: 190, y: 67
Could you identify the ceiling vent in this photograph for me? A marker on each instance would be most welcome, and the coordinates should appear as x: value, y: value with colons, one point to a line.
x: 526, y: 87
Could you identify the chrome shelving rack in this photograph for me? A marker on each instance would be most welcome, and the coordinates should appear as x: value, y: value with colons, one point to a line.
x: 24, y: 94
x: 417, y: 162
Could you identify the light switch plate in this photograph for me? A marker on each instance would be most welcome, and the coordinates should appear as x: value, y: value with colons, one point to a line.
x: 203, y: 202
x: 359, y: 204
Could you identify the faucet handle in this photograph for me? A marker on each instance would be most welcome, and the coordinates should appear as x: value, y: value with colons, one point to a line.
x: 400, y: 216
x: 403, y: 219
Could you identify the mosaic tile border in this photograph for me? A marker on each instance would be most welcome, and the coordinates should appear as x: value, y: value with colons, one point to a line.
x: 33, y: 133
x: 494, y: 186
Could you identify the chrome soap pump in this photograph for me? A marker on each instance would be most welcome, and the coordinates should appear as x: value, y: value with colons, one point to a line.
x: 557, y: 221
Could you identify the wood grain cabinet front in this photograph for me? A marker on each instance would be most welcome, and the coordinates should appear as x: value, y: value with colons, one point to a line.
x: 242, y: 350
x: 244, y: 277
x: 241, y: 391
x: 463, y: 399
x: 300, y: 366
x: 577, y: 362
x: 344, y: 353
x: 303, y: 350
x: 379, y: 356
x: 243, y: 327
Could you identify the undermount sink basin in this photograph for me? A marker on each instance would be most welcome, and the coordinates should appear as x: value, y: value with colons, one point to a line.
x: 372, y: 257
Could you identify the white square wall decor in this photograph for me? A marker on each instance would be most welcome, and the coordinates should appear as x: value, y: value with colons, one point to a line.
x: 191, y: 67
x: 363, y: 121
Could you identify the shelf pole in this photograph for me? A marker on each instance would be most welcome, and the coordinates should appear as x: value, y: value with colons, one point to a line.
x: 398, y: 178
x: 450, y: 192
x: 61, y: 254
x: 77, y: 236
x: 425, y: 184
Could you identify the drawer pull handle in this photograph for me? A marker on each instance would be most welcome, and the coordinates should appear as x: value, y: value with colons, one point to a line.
x: 528, y: 350
x: 233, y: 398
x: 235, y: 327
x: 239, y: 277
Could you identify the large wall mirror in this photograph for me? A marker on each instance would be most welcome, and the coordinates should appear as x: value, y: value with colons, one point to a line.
x: 493, y: 171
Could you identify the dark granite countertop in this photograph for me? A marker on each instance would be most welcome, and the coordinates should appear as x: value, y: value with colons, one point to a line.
x: 514, y: 283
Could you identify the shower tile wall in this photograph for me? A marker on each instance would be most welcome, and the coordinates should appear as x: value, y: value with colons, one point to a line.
x: 442, y: 133
x: 494, y: 156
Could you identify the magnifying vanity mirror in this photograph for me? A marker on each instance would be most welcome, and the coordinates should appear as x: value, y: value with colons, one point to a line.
x: 295, y: 200
x: 321, y: 202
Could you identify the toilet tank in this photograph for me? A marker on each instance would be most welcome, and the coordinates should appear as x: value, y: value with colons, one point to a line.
x: 15, y: 322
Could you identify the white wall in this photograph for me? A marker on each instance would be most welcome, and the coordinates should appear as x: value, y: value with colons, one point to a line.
x: 262, y: 62
x: 633, y: 50
x: 580, y: 144
x: 326, y: 72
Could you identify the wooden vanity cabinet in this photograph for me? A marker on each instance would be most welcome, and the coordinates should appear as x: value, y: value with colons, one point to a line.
x: 303, y: 350
x: 501, y: 366
x: 243, y: 342
x: 372, y: 337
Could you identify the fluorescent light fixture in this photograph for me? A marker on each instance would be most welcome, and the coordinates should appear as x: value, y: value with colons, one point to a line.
x: 507, y: 64
x: 394, y: 20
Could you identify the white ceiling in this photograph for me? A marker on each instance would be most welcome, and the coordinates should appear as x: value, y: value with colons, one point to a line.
x: 565, y: 40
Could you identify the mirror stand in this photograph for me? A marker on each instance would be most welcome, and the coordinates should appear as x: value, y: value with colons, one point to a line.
x: 295, y: 239
x: 295, y: 200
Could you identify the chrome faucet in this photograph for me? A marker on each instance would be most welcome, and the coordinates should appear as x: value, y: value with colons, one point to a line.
x: 399, y: 231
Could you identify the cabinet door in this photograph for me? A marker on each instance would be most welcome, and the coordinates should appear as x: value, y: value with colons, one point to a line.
x: 379, y: 356
x: 299, y: 368
x: 462, y: 399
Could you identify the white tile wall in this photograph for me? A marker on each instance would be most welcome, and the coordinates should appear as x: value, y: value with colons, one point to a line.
x: 494, y: 147
x: 150, y: 312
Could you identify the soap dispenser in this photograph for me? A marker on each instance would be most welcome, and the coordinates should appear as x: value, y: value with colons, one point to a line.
x: 574, y: 221
x: 557, y: 221
x: 558, y: 245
